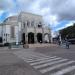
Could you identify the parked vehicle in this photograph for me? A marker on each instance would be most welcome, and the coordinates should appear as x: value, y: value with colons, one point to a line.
x: 72, y: 41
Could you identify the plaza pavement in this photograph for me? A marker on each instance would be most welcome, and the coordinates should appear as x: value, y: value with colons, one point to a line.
x: 58, y: 51
x: 53, y: 60
x: 10, y: 64
x: 47, y: 61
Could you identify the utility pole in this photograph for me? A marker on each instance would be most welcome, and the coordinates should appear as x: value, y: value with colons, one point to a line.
x: 50, y: 33
x: 60, y: 39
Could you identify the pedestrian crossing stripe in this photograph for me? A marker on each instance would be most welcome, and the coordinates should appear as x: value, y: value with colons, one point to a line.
x: 64, y: 71
x: 44, y: 61
x: 55, y: 67
x: 40, y: 59
x: 31, y: 54
x: 31, y: 59
x: 48, y: 64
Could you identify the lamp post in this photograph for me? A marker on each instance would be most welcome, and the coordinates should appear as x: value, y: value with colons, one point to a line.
x: 60, y: 39
x: 6, y: 37
x: 2, y: 33
x: 50, y: 33
x: 35, y: 34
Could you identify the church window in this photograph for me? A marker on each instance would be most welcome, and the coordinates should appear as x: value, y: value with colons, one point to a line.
x: 24, y: 24
x: 40, y: 24
x: 4, y: 34
x: 4, y: 39
x: 28, y: 23
x: 32, y: 23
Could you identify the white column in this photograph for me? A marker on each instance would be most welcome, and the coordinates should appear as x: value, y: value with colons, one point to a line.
x: 26, y: 34
x: 35, y: 34
x: 60, y: 38
x: 16, y: 34
x: 51, y: 39
x: 30, y: 23
x: 19, y: 31
x: 42, y: 34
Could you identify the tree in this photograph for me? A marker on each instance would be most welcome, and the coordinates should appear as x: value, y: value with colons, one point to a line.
x: 68, y: 32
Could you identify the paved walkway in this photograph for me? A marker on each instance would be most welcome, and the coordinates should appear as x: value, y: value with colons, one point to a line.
x: 10, y: 64
x: 48, y: 65
x: 31, y: 62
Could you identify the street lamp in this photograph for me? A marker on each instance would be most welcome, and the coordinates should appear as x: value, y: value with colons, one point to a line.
x: 60, y: 39
x: 50, y: 33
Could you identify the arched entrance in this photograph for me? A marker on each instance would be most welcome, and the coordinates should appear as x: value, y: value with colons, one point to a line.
x: 39, y: 37
x: 30, y: 37
x: 23, y: 38
x: 0, y: 39
x: 46, y: 38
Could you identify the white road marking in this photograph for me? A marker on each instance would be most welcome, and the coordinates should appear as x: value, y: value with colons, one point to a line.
x: 54, y: 67
x: 48, y: 64
x: 33, y: 57
x: 32, y: 54
x: 41, y: 59
x: 44, y: 61
x: 64, y: 71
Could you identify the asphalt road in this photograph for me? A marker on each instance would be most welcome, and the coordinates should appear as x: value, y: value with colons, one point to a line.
x: 12, y: 64
x: 58, y: 51
x: 54, y: 60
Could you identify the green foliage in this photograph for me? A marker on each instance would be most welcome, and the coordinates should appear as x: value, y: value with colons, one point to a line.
x: 68, y: 32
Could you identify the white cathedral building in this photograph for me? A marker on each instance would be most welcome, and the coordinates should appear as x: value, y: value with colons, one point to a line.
x: 24, y: 28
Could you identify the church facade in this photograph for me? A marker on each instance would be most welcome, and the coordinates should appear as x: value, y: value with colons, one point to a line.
x: 24, y: 28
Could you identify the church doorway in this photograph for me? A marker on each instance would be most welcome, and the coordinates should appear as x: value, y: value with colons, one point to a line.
x: 0, y: 39
x: 23, y: 38
x: 30, y: 37
x: 39, y: 37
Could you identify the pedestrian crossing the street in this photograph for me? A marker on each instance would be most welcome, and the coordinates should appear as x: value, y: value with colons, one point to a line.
x: 48, y: 65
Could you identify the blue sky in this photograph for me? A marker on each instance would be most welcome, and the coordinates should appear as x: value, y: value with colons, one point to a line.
x: 56, y: 13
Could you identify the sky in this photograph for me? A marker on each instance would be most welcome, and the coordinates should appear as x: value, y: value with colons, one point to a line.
x: 57, y: 14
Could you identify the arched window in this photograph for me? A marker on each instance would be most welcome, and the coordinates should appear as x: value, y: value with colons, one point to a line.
x: 40, y: 24
x: 32, y: 23
x: 24, y: 24
x: 28, y: 23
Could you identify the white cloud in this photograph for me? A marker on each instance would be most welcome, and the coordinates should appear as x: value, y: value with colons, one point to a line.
x: 52, y: 11
x: 51, y: 19
x: 66, y: 25
x: 45, y: 11
x: 8, y: 4
x: 1, y: 11
x: 69, y: 24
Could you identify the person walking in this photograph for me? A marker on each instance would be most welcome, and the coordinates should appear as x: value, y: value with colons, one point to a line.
x: 67, y: 44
